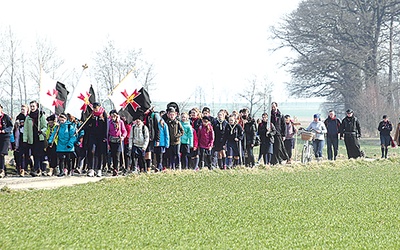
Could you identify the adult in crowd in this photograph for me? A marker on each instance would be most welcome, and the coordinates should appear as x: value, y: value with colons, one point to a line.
x: 384, y: 128
x: 350, y: 131
x: 332, y: 124
x: 6, y: 128
x: 289, y: 142
x: 320, y: 130
x: 278, y: 120
x: 35, y: 128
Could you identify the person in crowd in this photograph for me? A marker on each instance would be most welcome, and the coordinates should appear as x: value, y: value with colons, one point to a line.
x: 278, y: 120
x: 195, y: 121
x: 51, y: 153
x: 161, y: 141
x: 138, y: 142
x: 319, y: 140
x: 186, y: 140
x: 206, y: 111
x: 332, y: 124
x: 233, y: 137
x: 266, y: 131
x: 66, y: 138
x: 35, y: 128
x: 22, y: 150
x: 249, y: 139
x: 384, y: 128
x: 96, y: 131
x: 6, y: 127
x: 175, y: 130
x: 126, y: 152
x: 350, y: 131
x: 152, y: 125
x: 116, y: 136
x: 219, y: 130
x: 78, y: 162
x: 205, y: 135
x: 289, y: 142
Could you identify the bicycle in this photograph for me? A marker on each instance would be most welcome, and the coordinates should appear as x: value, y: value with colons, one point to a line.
x: 307, y: 151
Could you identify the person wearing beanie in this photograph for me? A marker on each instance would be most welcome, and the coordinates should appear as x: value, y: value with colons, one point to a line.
x: 320, y: 130
x: 384, y: 128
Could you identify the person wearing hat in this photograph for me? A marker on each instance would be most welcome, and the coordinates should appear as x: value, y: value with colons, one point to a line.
x: 6, y: 127
x: 350, y: 131
x: 50, y: 150
x: 319, y: 140
x: 384, y: 128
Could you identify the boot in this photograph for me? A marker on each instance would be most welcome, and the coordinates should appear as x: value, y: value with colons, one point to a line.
x: 22, y: 173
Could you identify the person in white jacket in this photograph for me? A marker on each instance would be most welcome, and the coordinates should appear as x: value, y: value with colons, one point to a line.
x: 138, y: 141
x: 320, y: 130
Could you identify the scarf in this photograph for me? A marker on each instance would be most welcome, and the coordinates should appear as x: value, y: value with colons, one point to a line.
x: 1, y: 120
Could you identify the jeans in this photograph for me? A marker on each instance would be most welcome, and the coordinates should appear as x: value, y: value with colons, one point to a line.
x: 318, y: 146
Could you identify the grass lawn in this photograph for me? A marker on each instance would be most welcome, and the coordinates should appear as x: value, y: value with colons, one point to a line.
x: 334, y: 205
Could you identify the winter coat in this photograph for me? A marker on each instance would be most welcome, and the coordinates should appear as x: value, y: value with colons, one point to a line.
x: 175, y: 130
x: 385, y: 127
x: 266, y: 137
x: 333, y: 126
x: 250, y: 131
x: 139, y: 136
x: 28, y: 129
x: 232, y: 132
x: 187, y: 137
x: 65, y: 135
x: 320, y: 127
x: 205, y: 136
x: 350, y: 127
x: 113, y: 131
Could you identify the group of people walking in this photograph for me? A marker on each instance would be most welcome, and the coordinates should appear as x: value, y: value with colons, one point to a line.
x: 64, y: 145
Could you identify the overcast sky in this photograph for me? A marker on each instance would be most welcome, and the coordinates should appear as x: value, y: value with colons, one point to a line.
x: 218, y: 45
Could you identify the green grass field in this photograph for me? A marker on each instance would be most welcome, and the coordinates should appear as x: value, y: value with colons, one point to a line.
x: 334, y: 205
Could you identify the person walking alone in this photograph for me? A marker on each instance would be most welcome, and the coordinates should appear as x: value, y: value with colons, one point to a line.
x: 385, y: 127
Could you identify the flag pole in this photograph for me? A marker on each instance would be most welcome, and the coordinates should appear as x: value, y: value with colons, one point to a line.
x: 121, y: 81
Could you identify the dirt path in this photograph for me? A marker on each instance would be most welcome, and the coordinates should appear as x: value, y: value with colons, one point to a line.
x: 27, y: 183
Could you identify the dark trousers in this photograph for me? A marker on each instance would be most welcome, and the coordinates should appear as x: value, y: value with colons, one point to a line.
x: 289, y: 146
x: 352, y: 146
x: 332, y: 143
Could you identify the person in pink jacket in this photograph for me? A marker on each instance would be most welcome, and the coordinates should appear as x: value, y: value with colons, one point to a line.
x: 116, y: 135
x: 205, y: 135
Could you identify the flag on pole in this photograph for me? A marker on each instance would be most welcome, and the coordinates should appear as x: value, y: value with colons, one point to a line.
x: 79, y: 100
x: 86, y: 109
x: 52, y: 94
x: 130, y: 96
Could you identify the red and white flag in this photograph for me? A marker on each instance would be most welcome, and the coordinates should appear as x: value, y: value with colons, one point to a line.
x: 80, y: 98
x: 52, y: 94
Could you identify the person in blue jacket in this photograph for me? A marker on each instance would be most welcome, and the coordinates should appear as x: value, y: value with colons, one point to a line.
x: 65, y: 144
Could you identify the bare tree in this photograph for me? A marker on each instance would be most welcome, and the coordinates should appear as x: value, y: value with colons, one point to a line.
x: 256, y: 94
x: 113, y: 64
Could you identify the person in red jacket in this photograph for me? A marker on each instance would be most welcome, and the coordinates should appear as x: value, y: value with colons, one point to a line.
x: 206, y: 141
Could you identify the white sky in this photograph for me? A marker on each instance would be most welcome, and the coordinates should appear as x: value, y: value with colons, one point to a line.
x: 214, y: 44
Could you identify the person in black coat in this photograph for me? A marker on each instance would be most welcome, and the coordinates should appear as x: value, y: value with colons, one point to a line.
x: 6, y: 127
x: 278, y: 119
x: 385, y: 127
x: 350, y: 131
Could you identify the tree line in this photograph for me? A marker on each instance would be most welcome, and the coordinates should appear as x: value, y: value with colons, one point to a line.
x: 347, y: 51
